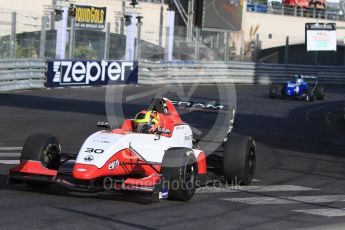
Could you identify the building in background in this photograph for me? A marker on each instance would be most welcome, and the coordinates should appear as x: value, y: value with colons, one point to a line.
x: 29, y: 15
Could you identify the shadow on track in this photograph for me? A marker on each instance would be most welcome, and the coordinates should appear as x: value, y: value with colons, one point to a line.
x: 294, y: 132
x: 121, y: 196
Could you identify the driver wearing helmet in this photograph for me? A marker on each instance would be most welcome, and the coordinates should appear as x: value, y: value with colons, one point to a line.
x: 147, y: 122
x: 299, y: 79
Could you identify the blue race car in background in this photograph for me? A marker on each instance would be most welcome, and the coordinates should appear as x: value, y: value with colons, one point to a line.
x: 299, y: 88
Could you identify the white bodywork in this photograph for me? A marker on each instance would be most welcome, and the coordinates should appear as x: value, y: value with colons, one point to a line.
x: 101, y: 146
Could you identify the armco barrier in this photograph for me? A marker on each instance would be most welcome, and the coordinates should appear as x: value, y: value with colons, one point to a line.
x: 29, y: 74
x: 233, y: 72
x: 22, y: 74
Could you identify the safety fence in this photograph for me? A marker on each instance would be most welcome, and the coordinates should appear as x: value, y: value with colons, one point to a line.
x: 30, y: 74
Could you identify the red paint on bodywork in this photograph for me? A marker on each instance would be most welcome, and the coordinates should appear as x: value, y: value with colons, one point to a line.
x: 202, y: 167
x: 33, y: 167
x: 128, y: 163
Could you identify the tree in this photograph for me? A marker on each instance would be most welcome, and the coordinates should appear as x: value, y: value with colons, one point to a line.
x: 85, y: 52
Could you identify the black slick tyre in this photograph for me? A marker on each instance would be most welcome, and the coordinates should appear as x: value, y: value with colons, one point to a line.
x: 179, y: 169
x: 44, y: 148
x: 239, y: 160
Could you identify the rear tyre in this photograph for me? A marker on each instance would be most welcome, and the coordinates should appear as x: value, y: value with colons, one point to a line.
x: 179, y: 169
x: 320, y: 92
x: 44, y: 148
x: 239, y: 159
x: 310, y: 94
x: 274, y: 91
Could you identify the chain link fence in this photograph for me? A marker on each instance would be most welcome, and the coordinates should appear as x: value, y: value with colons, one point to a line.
x: 27, y: 35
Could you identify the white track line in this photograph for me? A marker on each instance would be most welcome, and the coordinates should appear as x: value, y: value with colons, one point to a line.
x: 16, y: 162
x: 258, y: 188
x: 326, y: 212
x: 9, y: 162
x: 10, y: 148
x: 9, y: 154
x: 289, y: 199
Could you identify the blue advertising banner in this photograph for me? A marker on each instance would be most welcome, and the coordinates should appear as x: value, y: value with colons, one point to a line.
x: 64, y: 73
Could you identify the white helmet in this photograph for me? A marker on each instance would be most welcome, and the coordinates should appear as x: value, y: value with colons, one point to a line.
x: 299, y: 79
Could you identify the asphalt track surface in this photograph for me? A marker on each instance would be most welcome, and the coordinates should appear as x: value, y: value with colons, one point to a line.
x: 300, y: 176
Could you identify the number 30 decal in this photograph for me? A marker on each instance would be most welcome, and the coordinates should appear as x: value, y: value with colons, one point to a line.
x: 92, y: 150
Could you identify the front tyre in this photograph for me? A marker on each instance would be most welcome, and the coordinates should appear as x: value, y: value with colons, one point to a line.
x: 44, y: 148
x: 179, y: 169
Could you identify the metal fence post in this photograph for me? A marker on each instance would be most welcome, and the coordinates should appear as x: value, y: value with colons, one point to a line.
x: 161, y: 18
x: 43, y: 37
x: 13, y: 37
x: 71, y: 39
x: 286, y: 53
x: 226, y: 48
x: 169, y: 47
x: 130, y: 37
x: 190, y: 20
x: 257, y: 48
x: 122, y: 26
x: 61, y: 35
x: 197, y: 40
x: 218, y: 40
x: 242, y: 46
x: 137, y: 45
x: 52, y: 15
x: 107, y: 42
x: 283, y: 9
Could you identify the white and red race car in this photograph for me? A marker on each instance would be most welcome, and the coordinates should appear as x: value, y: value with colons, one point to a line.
x: 164, y: 164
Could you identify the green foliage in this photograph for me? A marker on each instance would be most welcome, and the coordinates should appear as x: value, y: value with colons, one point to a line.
x: 26, y: 52
x: 85, y: 52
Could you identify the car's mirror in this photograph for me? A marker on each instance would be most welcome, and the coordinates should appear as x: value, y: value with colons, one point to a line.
x: 162, y: 131
x: 103, y: 124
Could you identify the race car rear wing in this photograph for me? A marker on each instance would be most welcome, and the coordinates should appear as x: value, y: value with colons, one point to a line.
x: 189, y: 107
x: 311, y: 77
x: 200, y: 106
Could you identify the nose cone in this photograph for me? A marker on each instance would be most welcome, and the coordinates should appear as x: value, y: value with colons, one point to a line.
x: 85, y: 172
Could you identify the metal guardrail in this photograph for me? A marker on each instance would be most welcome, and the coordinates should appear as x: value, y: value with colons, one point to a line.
x: 30, y: 74
x: 233, y: 72
x: 22, y: 74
